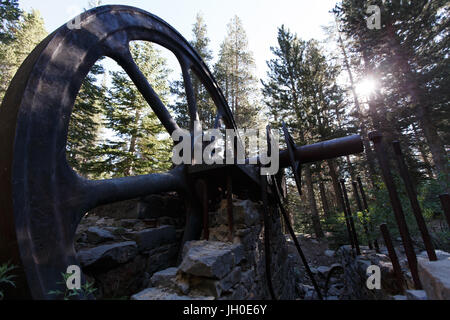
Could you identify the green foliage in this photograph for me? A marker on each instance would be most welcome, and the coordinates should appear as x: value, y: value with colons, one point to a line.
x: 234, y: 72
x: 409, y: 58
x: 138, y: 145
x: 28, y: 32
x: 205, y: 106
x: 336, y: 226
x: 85, y: 124
x: 5, y: 277
x: 9, y: 18
x: 86, y: 289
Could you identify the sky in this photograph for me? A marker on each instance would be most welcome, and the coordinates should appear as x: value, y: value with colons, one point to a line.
x: 260, y: 18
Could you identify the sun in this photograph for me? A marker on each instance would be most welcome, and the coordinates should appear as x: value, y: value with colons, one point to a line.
x: 366, y: 87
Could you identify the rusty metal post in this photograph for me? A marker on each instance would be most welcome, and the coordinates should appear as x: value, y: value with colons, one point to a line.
x: 377, y: 139
x: 203, y: 195
x: 366, y: 207
x: 392, y: 255
x: 445, y: 202
x: 267, y: 252
x: 230, y: 206
x: 350, y: 218
x: 360, y: 208
x: 347, y: 221
x: 412, y: 195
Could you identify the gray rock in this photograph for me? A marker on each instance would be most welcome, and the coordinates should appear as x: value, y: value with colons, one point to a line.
x: 441, y: 255
x: 323, y: 270
x: 98, y: 235
x: 239, y: 293
x: 149, y: 239
x: 231, y: 279
x: 416, y: 295
x: 335, y: 290
x: 129, y: 223
x: 435, y: 278
x: 162, y: 294
x: 208, y: 259
x: 108, y: 256
x: 314, y: 270
x: 329, y: 253
x: 165, y: 278
x: 238, y: 253
x: 311, y: 295
x: 200, y: 286
x: 245, y: 213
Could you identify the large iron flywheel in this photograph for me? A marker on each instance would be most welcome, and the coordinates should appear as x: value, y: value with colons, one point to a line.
x: 42, y: 199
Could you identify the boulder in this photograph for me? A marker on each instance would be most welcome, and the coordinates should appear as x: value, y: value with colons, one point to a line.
x: 416, y: 295
x: 208, y: 259
x: 323, y: 270
x: 165, y: 278
x: 149, y: 239
x: 435, y: 278
x: 96, y: 235
x: 123, y: 280
x: 163, y: 294
x: 131, y: 224
x: 329, y: 253
x: 107, y: 256
x: 231, y: 279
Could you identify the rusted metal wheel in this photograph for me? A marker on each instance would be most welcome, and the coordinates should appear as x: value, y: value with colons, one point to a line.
x: 42, y: 199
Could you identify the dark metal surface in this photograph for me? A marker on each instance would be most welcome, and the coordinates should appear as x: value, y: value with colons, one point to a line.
x: 230, y: 206
x: 294, y: 163
x: 380, y: 149
x: 322, y: 151
x: 393, y: 256
x: 267, y: 251
x: 202, y: 191
x: 445, y: 203
x: 360, y: 208
x: 412, y: 195
x: 350, y: 218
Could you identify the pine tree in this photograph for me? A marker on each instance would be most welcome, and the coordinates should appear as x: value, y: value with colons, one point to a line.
x: 300, y: 91
x: 234, y: 73
x: 139, y: 145
x: 205, y: 106
x: 82, y: 141
x: 9, y: 18
x: 409, y: 54
x: 29, y: 33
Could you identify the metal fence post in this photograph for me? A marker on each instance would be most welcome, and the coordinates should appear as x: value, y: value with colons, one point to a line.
x: 377, y: 139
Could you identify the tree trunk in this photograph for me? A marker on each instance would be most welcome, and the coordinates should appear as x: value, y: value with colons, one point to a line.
x: 335, y: 179
x: 423, y: 153
x: 323, y: 197
x: 133, y: 142
x: 313, y: 205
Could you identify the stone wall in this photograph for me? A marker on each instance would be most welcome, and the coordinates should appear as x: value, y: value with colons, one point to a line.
x: 120, y: 256
x: 355, y: 275
x: 219, y: 269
